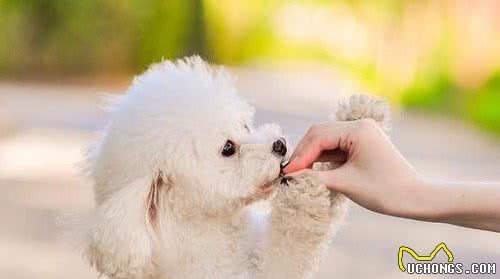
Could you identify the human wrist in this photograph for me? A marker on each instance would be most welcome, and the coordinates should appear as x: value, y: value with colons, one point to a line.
x: 432, y: 201
x: 422, y: 200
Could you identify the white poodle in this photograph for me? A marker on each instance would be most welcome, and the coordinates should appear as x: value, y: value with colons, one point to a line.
x: 175, y: 174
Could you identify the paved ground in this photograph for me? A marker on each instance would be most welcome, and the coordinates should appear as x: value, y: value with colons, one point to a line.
x: 43, y: 129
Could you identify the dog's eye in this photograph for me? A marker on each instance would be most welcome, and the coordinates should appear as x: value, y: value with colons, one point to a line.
x: 229, y: 149
x: 247, y: 128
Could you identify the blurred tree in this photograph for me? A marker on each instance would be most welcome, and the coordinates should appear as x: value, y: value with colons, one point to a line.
x: 432, y: 54
x: 483, y: 106
x: 169, y: 29
x: 74, y: 37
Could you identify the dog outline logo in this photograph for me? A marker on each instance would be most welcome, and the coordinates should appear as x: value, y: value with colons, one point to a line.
x: 441, y: 246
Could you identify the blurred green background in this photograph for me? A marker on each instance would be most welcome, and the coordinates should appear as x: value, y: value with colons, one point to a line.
x: 437, y: 55
x: 437, y: 60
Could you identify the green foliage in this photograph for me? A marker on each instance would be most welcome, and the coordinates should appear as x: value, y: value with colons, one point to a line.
x: 56, y: 37
x: 483, y: 106
x: 66, y: 36
x: 433, y: 93
x: 169, y: 29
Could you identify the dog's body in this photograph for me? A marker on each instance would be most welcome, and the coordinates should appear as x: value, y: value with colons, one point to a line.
x: 176, y: 172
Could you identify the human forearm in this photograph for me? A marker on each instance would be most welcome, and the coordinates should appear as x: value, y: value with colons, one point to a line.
x: 467, y: 204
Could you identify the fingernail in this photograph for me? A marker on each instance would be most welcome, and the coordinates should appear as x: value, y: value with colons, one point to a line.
x: 284, y: 164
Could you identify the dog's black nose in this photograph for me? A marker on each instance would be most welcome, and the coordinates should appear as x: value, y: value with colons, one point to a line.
x: 279, y: 147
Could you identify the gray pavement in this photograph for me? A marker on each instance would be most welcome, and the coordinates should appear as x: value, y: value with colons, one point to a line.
x: 44, y: 128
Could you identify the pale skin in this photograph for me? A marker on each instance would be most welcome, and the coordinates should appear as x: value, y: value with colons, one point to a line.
x: 376, y: 176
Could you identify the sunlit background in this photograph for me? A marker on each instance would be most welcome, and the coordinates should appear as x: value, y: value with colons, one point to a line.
x: 437, y: 62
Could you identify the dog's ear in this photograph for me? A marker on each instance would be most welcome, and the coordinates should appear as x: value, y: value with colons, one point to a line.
x: 160, y: 184
x: 122, y: 235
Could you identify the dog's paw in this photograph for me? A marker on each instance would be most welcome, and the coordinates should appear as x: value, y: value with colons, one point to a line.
x: 305, y: 195
x: 305, y: 206
x: 362, y: 106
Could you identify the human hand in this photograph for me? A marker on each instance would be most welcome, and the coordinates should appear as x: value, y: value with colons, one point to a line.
x: 375, y: 175
x: 373, y: 172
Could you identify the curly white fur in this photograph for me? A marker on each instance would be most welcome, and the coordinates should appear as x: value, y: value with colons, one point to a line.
x: 169, y: 205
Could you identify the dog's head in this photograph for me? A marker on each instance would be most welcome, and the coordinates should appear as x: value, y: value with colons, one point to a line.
x: 184, y: 124
x: 180, y: 139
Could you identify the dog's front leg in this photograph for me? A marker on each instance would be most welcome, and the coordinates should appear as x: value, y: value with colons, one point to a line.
x: 302, y: 222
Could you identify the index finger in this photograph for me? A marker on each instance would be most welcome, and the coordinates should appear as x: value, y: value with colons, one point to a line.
x: 317, y: 139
